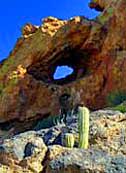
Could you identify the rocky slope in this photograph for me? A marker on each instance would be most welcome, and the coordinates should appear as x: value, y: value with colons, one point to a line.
x: 95, y: 49
x: 42, y: 150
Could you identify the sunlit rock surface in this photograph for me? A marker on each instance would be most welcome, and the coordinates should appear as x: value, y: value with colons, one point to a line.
x: 43, y: 151
x: 95, y: 49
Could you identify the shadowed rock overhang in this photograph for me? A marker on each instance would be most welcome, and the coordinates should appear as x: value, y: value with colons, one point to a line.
x: 76, y: 59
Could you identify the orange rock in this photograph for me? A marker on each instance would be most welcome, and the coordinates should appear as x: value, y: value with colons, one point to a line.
x: 95, y: 49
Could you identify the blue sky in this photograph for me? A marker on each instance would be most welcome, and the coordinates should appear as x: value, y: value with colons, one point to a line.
x: 14, y: 14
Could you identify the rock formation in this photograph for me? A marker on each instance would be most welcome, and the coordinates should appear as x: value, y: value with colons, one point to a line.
x: 95, y: 49
x: 42, y: 150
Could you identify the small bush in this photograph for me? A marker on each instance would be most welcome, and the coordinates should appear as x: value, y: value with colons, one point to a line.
x: 47, y: 122
x: 115, y: 98
x: 121, y: 108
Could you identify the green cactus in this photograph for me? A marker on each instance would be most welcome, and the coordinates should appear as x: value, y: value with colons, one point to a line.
x: 83, y: 126
x: 68, y: 140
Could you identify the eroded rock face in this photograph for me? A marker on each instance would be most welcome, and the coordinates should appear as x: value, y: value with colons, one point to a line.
x: 95, y: 49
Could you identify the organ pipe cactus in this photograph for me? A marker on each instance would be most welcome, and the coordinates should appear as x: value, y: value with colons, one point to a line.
x: 83, y: 126
x: 69, y: 140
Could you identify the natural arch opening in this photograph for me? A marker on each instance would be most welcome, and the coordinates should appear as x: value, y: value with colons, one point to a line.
x: 63, y: 68
x: 62, y: 72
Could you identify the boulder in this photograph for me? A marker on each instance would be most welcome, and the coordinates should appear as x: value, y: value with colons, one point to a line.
x: 88, y: 161
x: 24, y: 152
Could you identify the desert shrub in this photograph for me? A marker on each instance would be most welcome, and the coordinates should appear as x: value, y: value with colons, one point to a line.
x: 115, y: 98
x: 121, y: 108
x: 47, y: 122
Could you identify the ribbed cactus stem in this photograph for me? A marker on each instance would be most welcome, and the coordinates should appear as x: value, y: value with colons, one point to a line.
x: 83, y: 126
x: 69, y: 140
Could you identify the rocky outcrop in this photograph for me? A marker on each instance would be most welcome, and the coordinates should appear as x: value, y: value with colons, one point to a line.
x: 23, y: 153
x: 43, y: 151
x: 95, y: 49
x: 79, y: 161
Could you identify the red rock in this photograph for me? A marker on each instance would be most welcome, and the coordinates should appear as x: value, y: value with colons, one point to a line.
x: 95, y: 49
